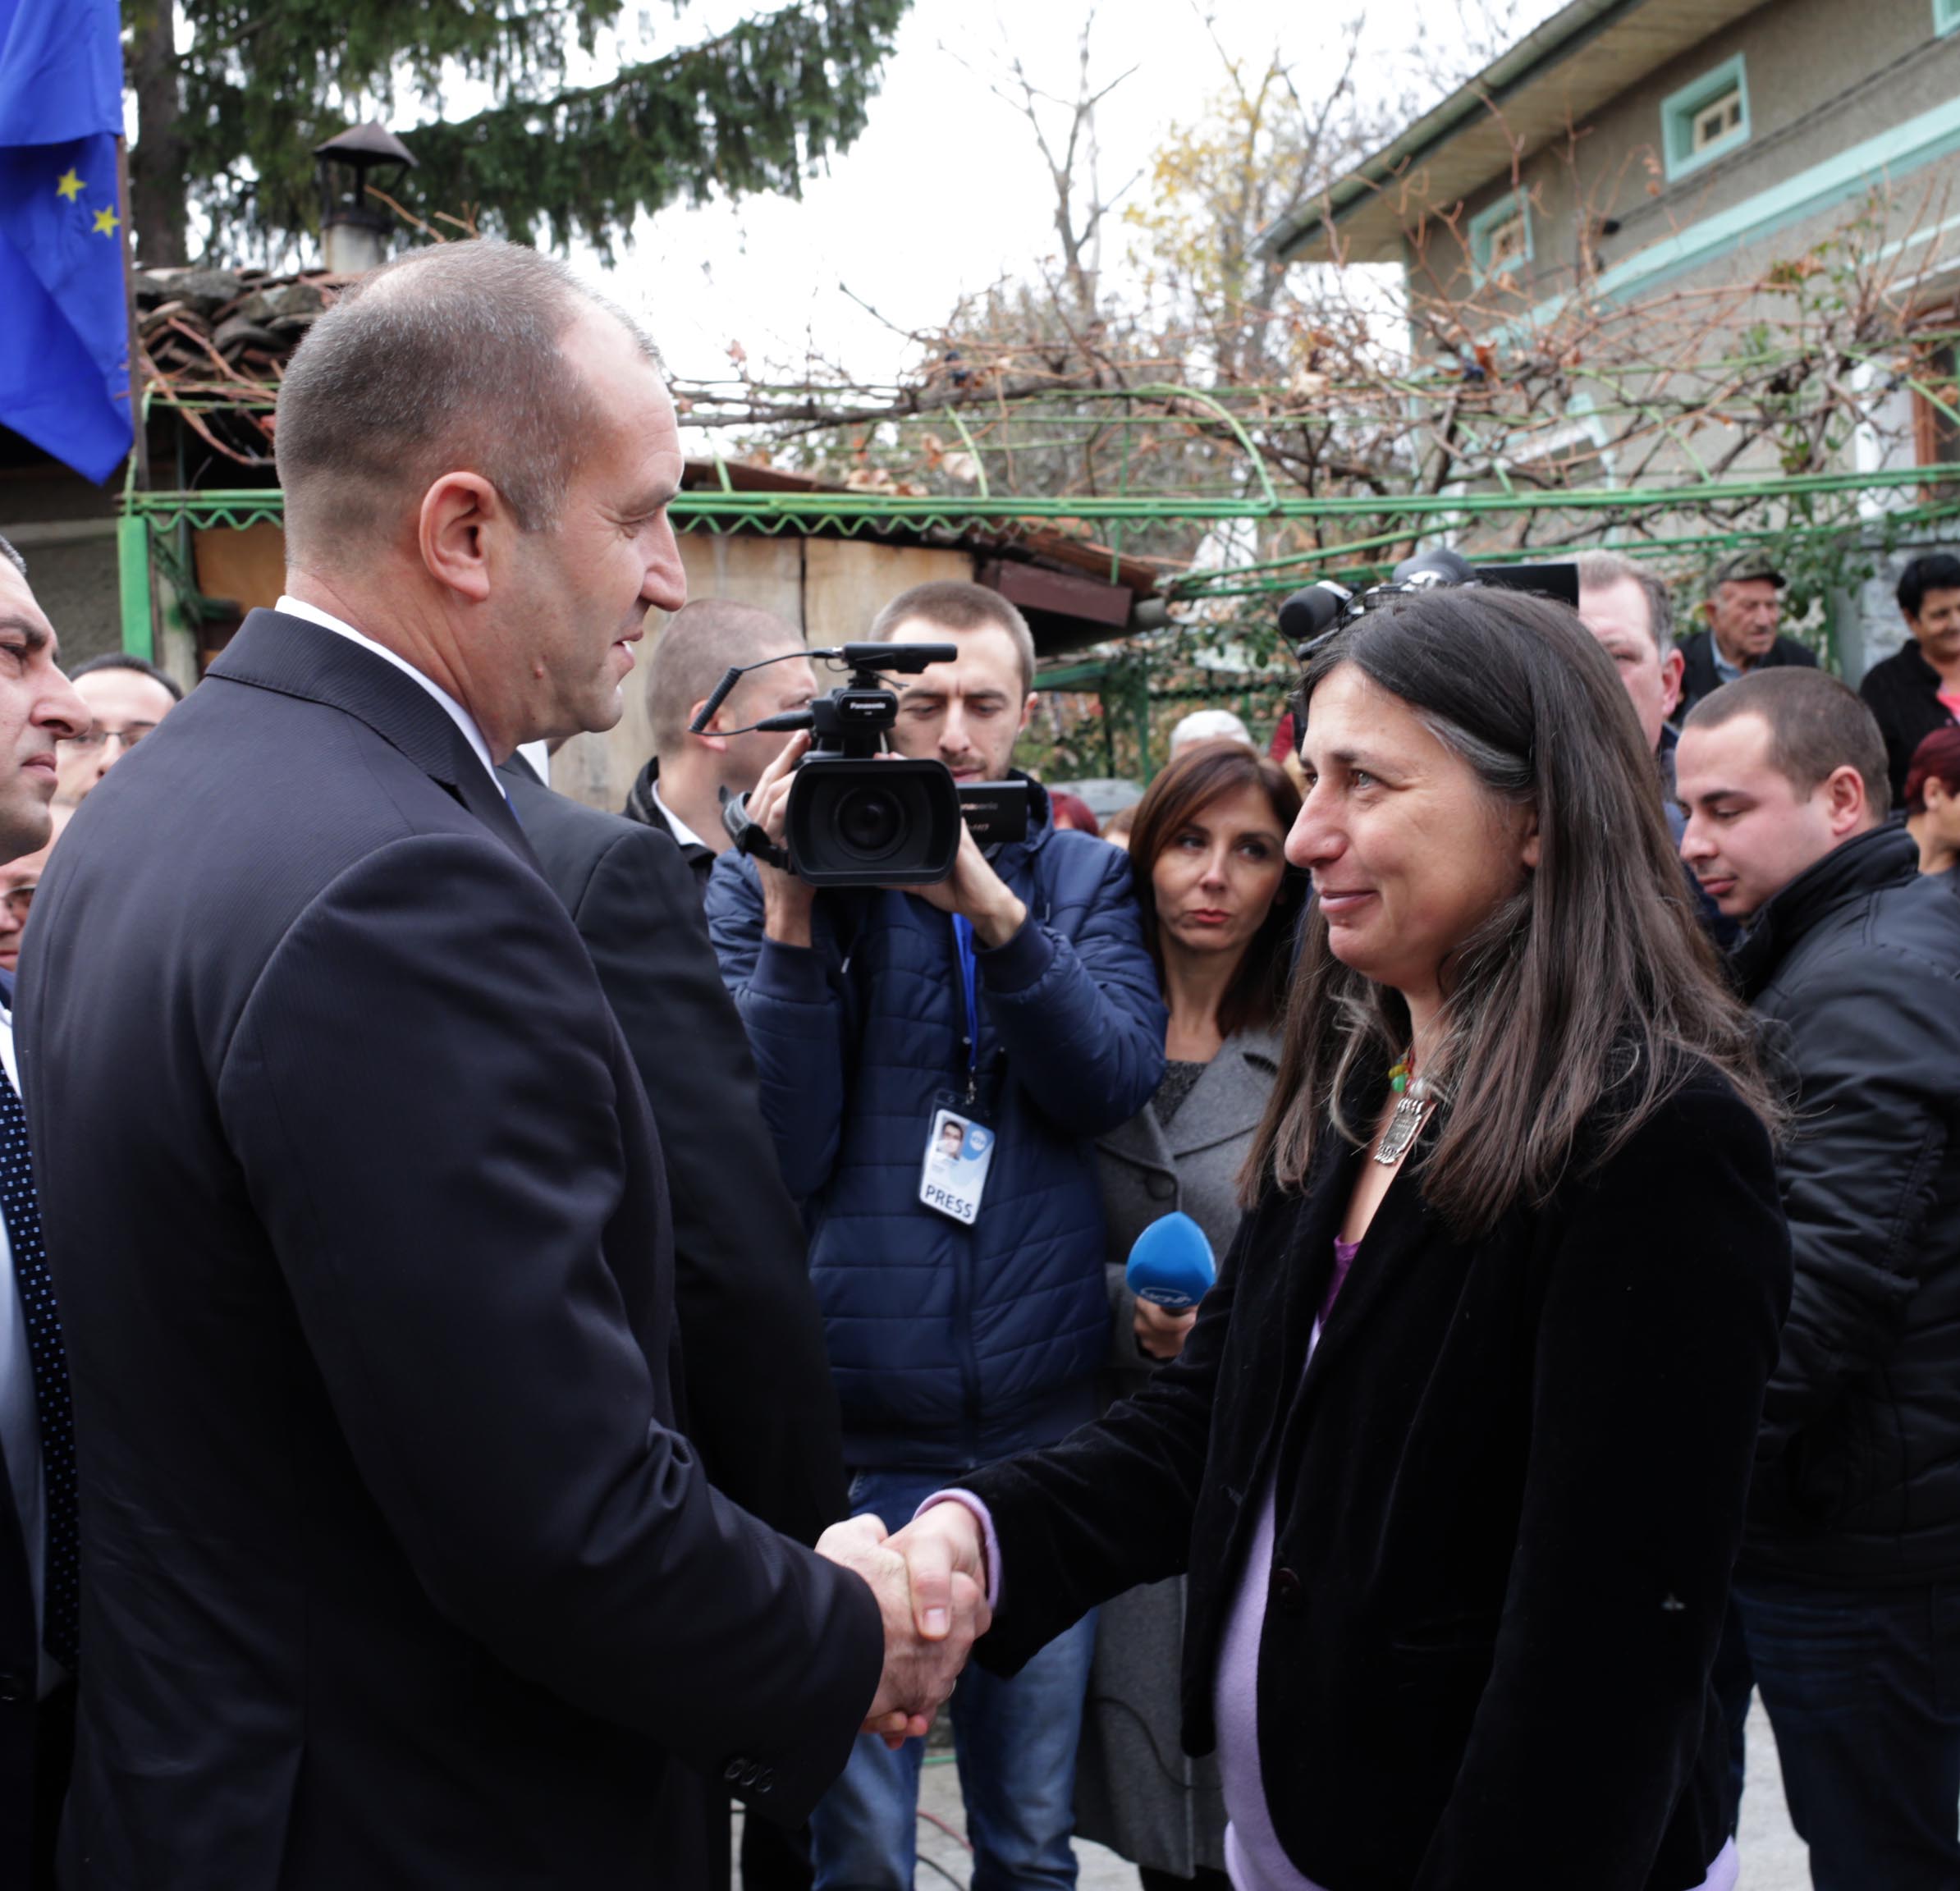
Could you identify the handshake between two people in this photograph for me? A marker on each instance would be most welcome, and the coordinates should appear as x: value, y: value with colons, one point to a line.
x: 930, y: 1581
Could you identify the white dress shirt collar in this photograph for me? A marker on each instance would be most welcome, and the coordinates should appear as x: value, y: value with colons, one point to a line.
x: 683, y: 835
x: 295, y: 607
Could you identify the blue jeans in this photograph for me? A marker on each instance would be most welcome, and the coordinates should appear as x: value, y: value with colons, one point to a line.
x: 1015, y: 1741
x: 1862, y: 1688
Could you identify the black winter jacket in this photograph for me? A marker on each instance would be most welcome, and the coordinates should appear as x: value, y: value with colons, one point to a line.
x: 1903, y: 693
x: 1854, y: 968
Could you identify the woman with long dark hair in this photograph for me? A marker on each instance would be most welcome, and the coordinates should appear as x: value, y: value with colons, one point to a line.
x: 1218, y: 905
x: 1457, y: 1453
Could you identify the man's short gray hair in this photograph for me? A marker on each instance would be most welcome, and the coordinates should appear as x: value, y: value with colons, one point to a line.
x: 13, y: 557
x: 449, y: 358
x: 702, y: 640
x: 1599, y: 571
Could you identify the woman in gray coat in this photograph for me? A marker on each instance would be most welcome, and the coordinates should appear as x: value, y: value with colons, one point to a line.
x: 1218, y: 906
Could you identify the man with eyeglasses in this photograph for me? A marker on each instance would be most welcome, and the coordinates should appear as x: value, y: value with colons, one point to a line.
x: 128, y: 697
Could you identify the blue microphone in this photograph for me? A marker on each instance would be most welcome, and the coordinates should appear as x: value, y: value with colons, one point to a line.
x: 1171, y: 1265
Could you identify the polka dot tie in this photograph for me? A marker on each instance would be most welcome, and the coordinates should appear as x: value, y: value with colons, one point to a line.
x: 22, y: 1211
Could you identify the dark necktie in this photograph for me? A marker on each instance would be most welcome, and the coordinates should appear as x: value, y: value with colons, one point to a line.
x: 22, y: 1211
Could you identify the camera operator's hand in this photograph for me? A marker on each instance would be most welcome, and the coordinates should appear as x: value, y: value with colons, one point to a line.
x: 973, y: 888
x: 787, y: 900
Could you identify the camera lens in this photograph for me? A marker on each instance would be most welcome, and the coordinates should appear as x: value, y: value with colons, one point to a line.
x: 870, y: 822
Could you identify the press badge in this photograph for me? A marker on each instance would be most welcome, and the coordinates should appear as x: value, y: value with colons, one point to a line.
x: 959, y: 1151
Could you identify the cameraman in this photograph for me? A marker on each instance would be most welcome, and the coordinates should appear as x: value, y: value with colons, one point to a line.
x: 951, y: 1344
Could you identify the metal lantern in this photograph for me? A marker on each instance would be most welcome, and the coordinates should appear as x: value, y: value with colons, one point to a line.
x: 355, y: 231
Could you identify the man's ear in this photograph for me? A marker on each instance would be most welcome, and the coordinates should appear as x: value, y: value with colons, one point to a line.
x: 460, y: 515
x: 1673, y: 666
x: 711, y: 738
x: 1028, y: 708
x: 1847, y: 806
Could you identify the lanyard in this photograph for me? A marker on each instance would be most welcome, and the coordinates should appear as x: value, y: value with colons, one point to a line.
x: 969, y: 1002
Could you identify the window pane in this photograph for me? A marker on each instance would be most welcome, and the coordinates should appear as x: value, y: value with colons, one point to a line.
x: 1715, y: 120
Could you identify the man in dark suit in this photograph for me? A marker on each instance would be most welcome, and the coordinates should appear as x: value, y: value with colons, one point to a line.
x: 397, y: 1571
x: 757, y: 1398
x: 681, y: 790
x: 1743, y: 608
x: 38, y: 1592
x: 756, y: 1394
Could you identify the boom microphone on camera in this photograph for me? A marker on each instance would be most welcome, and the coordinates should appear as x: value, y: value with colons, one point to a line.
x: 1312, y: 614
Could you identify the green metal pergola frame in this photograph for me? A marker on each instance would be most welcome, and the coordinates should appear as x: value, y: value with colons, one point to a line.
x: 146, y: 514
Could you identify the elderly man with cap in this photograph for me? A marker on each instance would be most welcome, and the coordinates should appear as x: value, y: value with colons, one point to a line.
x: 1745, y: 600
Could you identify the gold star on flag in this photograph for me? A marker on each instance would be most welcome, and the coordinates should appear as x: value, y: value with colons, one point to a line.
x: 105, y: 222
x: 71, y: 186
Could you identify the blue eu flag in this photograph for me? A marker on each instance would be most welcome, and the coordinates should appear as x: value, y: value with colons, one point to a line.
x: 64, y: 325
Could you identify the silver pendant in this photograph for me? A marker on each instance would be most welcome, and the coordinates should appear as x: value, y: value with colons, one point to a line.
x: 1404, y: 1126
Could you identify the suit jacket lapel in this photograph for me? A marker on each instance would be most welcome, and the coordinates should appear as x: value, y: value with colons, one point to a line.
x: 1227, y: 1100
x: 1140, y: 1140
x: 295, y: 657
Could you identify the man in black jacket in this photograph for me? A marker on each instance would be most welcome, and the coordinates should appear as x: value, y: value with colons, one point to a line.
x: 742, y: 1295
x: 1847, y: 1594
x: 38, y: 1599
x: 398, y: 1571
x: 681, y: 789
x: 1916, y: 689
x: 1744, y: 603
x: 757, y: 1394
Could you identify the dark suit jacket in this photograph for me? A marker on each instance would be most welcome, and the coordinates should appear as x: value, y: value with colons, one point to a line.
x: 395, y: 1570
x: 1700, y: 678
x: 36, y: 1736
x: 19, y: 1657
x: 758, y: 1399
x: 1512, y: 1461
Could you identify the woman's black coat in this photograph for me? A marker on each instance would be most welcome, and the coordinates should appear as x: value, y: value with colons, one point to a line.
x: 1511, y: 1487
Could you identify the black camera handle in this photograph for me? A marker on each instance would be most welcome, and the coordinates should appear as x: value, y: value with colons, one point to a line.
x: 748, y: 835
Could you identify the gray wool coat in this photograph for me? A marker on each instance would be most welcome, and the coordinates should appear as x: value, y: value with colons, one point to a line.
x: 1136, y: 1790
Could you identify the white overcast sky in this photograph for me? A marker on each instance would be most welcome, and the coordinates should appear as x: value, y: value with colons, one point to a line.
x: 945, y: 192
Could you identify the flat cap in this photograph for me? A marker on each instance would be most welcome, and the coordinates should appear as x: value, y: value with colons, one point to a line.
x: 1743, y: 565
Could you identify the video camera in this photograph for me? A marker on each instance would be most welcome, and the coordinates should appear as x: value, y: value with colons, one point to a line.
x: 1309, y: 617
x: 858, y: 817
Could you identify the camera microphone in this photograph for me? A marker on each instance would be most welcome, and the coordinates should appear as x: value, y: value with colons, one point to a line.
x: 907, y: 659
x: 1311, y: 613
x: 1171, y: 1264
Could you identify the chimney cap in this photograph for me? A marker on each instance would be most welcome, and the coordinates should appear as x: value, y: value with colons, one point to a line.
x: 370, y: 143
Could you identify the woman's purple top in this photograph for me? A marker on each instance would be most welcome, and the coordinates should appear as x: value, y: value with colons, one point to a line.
x: 1254, y: 1857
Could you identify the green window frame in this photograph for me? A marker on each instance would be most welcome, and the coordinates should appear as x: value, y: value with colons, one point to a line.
x: 1946, y: 16
x: 1680, y: 110
x: 1515, y: 207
